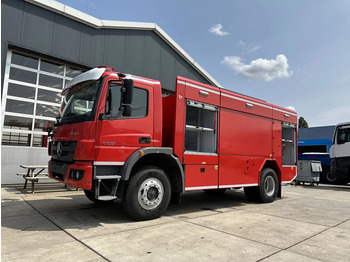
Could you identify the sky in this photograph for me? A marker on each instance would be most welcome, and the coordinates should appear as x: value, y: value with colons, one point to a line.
x: 292, y: 53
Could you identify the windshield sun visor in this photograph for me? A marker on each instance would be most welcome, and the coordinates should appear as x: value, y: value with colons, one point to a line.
x: 92, y: 74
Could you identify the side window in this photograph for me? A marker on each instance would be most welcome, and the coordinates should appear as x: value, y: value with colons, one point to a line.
x: 200, y: 135
x: 139, y: 101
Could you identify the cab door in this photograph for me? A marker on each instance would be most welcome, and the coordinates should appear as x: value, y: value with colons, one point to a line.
x: 117, y: 137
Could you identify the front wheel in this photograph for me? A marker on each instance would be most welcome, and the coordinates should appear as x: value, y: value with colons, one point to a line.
x: 148, y: 194
x: 331, y: 177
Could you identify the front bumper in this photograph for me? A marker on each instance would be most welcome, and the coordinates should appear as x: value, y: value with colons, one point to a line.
x: 64, y: 173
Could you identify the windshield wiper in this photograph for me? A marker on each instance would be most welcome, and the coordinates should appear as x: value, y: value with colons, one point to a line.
x: 68, y: 118
x: 69, y: 114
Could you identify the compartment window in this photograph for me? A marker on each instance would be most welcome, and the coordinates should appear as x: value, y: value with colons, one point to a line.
x: 201, y: 125
x: 288, y: 144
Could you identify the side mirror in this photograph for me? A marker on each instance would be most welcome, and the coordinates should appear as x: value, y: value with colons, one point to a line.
x: 127, y: 91
x: 127, y: 110
x: 49, y: 131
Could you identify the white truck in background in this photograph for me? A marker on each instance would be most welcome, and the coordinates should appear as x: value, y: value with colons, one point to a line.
x: 340, y: 154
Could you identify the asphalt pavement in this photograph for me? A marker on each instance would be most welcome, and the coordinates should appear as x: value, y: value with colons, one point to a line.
x: 309, y: 223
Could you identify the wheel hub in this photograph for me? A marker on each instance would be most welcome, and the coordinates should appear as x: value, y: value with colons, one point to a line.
x: 151, y: 193
x: 269, y: 186
x: 331, y: 177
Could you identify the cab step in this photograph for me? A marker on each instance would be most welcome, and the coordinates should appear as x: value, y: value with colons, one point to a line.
x: 106, y: 198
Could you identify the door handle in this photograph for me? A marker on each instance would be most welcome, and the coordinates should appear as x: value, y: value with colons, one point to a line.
x: 145, y: 140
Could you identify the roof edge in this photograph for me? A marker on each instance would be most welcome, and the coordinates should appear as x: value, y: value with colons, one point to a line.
x: 94, y: 22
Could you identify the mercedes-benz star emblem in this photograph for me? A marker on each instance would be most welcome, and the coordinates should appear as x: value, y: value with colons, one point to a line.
x: 59, y: 148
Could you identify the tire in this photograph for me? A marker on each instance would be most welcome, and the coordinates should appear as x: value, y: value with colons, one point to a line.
x: 334, y: 179
x: 268, y: 189
x: 147, y: 194
x: 91, y: 196
x: 215, y: 192
x: 331, y: 178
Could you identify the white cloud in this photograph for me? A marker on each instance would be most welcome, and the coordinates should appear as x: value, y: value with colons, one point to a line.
x: 254, y: 48
x: 291, y: 108
x: 217, y: 30
x: 249, y: 48
x: 240, y: 43
x: 260, y: 69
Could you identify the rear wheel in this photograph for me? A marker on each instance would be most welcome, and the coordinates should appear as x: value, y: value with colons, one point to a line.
x: 268, y: 186
x: 148, y: 194
x: 268, y: 189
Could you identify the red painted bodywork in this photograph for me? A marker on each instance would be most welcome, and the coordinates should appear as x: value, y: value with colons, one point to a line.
x: 248, y: 131
x: 249, y: 134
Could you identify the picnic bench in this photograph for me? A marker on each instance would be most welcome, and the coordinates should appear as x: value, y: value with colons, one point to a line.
x: 33, y: 173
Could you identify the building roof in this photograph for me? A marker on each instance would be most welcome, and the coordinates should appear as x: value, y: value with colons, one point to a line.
x: 94, y: 22
x: 321, y: 132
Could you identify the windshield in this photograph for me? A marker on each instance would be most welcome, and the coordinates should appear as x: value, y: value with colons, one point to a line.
x: 343, y: 134
x: 79, y: 103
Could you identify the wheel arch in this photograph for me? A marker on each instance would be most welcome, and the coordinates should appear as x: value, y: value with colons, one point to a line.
x: 161, y: 157
x: 274, y: 166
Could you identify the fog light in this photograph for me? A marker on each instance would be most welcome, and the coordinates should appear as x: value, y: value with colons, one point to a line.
x: 76, y: 174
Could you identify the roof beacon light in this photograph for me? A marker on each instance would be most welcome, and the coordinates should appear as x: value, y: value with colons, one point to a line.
x: 108, y: 68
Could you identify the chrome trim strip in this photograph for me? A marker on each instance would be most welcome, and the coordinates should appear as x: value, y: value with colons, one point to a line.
x: 200, y: 188
x: 239, y: 185
x: 198, y: 87
x: 108, y: 163
x: 287, y: 112
x: 246, y: 100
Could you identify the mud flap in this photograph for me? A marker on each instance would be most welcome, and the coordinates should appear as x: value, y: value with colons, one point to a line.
x: 279, y: 194
x: 176, y: 198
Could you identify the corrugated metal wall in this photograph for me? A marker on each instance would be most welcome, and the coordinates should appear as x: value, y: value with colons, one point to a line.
x: 138, y: 52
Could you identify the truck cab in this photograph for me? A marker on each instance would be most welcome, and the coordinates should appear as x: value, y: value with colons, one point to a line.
x: 100, y: 127
x: 340, y: 154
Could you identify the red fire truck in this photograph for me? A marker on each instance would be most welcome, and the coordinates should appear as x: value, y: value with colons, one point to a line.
x: 118, y: 138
